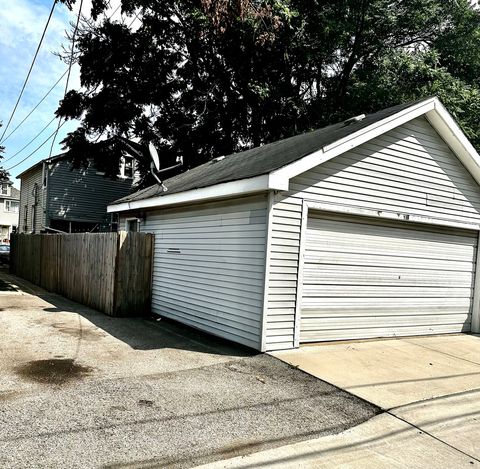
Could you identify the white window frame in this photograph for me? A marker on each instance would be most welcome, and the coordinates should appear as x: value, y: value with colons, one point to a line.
x: 6, y: 189
x: 123, y: 164
x: 9, y: 204
x: 128, y: 221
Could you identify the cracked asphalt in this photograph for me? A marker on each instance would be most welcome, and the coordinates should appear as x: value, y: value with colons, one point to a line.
x: 79, y: 389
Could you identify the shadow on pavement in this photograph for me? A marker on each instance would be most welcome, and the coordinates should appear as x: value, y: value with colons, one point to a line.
x: 149, y: 333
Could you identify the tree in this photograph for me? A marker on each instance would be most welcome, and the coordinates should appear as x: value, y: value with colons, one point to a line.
x: 203, y: 78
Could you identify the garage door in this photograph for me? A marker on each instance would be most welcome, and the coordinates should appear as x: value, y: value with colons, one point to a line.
x: 363, y: 279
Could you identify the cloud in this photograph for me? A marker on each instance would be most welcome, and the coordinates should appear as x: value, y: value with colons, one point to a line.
x: 21, y: 24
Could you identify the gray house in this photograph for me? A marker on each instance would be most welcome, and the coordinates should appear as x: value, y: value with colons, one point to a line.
x: 54, y: 196
x: 9, y: 204
x: 367, y: 228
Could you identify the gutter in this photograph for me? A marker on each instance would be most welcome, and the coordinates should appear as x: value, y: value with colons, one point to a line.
x: 266, y: 182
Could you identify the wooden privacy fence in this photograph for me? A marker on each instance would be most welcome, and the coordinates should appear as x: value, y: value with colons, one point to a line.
x: 110, y: 272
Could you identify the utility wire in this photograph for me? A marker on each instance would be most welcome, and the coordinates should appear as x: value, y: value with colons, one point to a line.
x: 38, y: 104
x: 133, y: 21
x: 46, y: 95
x: 29, y: 143
x: 35, y: 108
x: 30, y: 69
x: 36, y: 149
x: 69, y: 71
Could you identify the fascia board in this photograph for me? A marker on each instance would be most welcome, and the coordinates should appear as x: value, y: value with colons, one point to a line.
x: 228, y: 189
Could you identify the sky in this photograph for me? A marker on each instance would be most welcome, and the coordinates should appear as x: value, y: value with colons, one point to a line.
x: 21, y: 26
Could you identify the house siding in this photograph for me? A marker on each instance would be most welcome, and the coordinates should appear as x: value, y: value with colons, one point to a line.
x: 209, y: 266
x: 410, y: 170
x: 81, y: 194
x: 27, y: 199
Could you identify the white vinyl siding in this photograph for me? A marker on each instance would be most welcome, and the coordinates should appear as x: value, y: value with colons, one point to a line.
x: 409, y: 170
x: 365, y: 279
x: 209, y: 266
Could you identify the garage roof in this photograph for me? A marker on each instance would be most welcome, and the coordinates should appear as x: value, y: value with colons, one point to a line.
x: 271, y: 166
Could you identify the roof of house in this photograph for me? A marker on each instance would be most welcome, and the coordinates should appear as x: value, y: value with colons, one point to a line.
x: 271, y: 167
x: 40, y: 163
x: 263, y: 159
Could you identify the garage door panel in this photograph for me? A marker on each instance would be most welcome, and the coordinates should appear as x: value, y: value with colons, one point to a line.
x: 312, y: 293
x: 354, y: 275
x: 374, y: 248
x: 329, y: 224
x: 385, y: 321
x: 373, y: 260
x: 314, y: 314
x: 350, y: 304
x: 362, y: 279
x: 375, y: 332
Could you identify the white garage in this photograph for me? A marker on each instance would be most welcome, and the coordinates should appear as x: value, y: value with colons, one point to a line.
x: 365, y: 278
x: 366, y: 228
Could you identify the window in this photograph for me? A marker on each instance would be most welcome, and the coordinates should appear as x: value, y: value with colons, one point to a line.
x: 132, y: 225
x: 5, y: 189
x: 126, y: 167
x: 11, y: 206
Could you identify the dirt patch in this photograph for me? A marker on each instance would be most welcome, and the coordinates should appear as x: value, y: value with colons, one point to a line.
x: 8, y: 395
x: 84, y: 334
x: 52, y: 371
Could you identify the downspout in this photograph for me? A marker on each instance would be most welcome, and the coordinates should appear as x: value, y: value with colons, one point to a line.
x: 34, y: 207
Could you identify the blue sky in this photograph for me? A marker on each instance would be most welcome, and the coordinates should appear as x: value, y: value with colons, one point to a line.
x: 21, y: 26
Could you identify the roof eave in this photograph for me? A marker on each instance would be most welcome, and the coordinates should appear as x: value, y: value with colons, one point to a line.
x: 355, y: 139
x: 237, y: 188
x: 278, y: 179
x: 432, y: 109
x: 443, y: 122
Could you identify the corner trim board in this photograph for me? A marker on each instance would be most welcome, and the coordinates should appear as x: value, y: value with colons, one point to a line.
x: 266, y: 285
x: 301, y: 257
x: 475, y: 325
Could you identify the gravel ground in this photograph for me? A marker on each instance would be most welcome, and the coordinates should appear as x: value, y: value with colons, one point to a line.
x: 78, y: 389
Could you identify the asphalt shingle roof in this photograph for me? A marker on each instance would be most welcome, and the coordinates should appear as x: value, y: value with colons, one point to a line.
x: 261, y: 160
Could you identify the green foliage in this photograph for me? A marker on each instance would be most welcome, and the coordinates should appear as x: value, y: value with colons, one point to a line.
x: 3, y: 174
x: 209, y: 77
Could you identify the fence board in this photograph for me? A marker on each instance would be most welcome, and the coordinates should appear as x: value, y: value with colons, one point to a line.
x: 132, y: 285
x: 110, y: 272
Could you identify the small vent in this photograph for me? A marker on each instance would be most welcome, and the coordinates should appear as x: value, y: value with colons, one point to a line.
x: 352, y: 120
x: 218, y: 158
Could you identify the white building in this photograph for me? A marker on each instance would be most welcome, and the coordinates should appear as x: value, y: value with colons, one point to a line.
x: 366, y: 228
x: 9, y: 207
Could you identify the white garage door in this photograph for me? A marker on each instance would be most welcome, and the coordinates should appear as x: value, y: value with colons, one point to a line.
x: 363, y: 279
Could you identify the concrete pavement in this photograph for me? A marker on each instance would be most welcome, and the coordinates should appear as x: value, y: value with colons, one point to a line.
x: 429, y: 388
x: 394, y: 372
x: 384, y: 442
x: 81, y: 390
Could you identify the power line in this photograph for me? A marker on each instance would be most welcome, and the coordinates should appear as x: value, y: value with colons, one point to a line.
x: 69, y: 71
x: 30, y: 142
x: 36, y: 149
x: 133, y: 21
x: 35, y: 108
x: 38, y: 104
x: 30, y: 69
x: 46, y: 95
